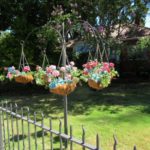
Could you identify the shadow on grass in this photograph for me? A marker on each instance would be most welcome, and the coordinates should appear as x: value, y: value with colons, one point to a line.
x: 80, y: 101
x: 16, y: 137
x: 39, y: 134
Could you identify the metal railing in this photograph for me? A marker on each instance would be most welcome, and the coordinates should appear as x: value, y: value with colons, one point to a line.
x: 15, y: 132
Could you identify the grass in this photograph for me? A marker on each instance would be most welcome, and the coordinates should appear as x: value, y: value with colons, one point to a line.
x: 121, y: 109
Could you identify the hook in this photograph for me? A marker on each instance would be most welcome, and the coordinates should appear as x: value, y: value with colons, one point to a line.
x: 22, y: 42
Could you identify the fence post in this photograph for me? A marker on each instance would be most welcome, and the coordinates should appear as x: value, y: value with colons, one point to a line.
x: 115, y: 143
x: 1, y: 136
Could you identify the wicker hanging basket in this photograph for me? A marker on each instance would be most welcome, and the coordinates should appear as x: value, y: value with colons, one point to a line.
x: 64, y: 89
x: 24, y: 79
x: 94, y: 85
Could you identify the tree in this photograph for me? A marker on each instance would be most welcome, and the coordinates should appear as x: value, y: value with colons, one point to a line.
x: 22, y: 17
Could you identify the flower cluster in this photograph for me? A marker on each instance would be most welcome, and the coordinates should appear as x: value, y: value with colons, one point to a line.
x: 89, y: 66
x: 12, y: 72
x: 58, y: 76
x: 101, y: 73
x: 40, y: 76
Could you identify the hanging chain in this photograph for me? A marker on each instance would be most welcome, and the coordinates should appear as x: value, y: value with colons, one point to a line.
x: 63, y: 56
x: 45, y: 60
x: 23, y: 61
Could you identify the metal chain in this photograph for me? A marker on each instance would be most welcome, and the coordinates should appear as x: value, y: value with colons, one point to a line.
x: 23, y: 61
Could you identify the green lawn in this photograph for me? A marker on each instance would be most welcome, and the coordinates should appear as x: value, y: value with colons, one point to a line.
x: 122, y: 109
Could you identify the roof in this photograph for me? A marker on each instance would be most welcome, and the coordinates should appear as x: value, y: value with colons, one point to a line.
x: 130, y: 32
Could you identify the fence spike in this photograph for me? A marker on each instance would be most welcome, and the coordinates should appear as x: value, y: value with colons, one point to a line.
x: 51, y: 134
x: 42, y: 123
x: 17, y: 126
x: 8, y: 134
x: 28, y: 118
x: 71, y: 133
x: 83, y: 137
x: 22, y: 123
x: 2, y: 104
x: 6, y: 104
x: 60, y: 126
x: 28, y: 109
x: 16, y: 106
x: 3, y: 126
x: 35, y: 130
x: 11, y: 107
x: 97, y: 142
x: 115, y: 143
x: 134, y: 148
x: 60, y: 131
x: 12, y: 127
x: 50, y: 123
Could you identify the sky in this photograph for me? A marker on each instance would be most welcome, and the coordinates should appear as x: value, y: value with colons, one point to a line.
x: 147, y: 21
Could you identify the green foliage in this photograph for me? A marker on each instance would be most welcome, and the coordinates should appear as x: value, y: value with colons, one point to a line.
x: 143, y: 43
x: 39, y: 77
x: 9, y: 50
x: 141, y: 50
x: 2, y: 78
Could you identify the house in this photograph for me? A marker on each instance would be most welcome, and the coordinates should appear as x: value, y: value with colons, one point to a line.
x: 129, y: 35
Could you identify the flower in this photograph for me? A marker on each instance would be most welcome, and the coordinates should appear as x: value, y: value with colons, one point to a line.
x: 9, y: 75
x: 68, y: 67
x: 57, y: 77
x: 101, y: 73
x: 38, y: 68
x: 49, y: 80
x: 112, y: 65
x: 53, y: 67
x: 26, y: 68
x: 72, y: 63
x: 68, y: 77
x: 55, y: 73
x: 5, y: 68
x: 48, y: 70
x: 11, y: 69
x: 63, y: 69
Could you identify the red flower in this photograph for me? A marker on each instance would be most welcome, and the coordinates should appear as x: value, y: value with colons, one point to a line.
x: 112, y: 65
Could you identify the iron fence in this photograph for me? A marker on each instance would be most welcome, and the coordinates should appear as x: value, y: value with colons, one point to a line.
x: 15, y: 133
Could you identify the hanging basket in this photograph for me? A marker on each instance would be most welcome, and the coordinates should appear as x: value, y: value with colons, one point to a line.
x: 94, y: 84
x: 64, y: 89
x: 24, y: 78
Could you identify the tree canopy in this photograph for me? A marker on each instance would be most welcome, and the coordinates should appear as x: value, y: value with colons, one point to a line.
x: 22, y: 17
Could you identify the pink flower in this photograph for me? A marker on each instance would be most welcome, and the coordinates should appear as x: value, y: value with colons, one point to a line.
x: 48, y: 70
x: 53, y: 67
x: 112, y: 65
x: 26, y: 68
x: 63, y: 69
x: 72, y: 63
x: 5, y: 68
x: 9, y: 75
x: 55, y: 73
x: 85, y: 71
x: 105, y: 64
x: 17, y: 72
x: 68, y: 76
x: 38, y: 68
x: 13, y: 67
x: 49, y: 80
